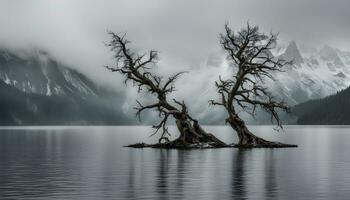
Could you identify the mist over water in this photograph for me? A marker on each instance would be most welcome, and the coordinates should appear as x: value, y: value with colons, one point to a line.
x: 91, y: 163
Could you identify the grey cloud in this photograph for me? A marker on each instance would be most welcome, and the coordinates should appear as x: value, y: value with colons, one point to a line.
x: 185, y: 32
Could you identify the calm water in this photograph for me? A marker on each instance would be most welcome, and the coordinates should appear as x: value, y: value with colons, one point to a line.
x: 90, y: 163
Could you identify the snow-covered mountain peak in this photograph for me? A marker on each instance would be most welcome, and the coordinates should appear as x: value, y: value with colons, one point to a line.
x: 292, y: 53
x: 314, y: 74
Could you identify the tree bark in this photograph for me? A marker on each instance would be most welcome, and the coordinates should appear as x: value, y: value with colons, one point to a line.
x: 248, y: 49
x: 247, y: 139
x: 191, y: 136
x: 137, y: 69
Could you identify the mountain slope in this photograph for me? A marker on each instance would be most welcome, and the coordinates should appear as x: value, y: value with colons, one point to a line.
x: 37, y: 90
x: 37, y: 76
x: 40, y: 74
x: 313, y: 75
x: 292, y: 53
x: 333, y: 110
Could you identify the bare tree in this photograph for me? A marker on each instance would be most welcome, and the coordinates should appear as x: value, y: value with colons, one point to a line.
x: 249, y: 51
x: 136, y: 68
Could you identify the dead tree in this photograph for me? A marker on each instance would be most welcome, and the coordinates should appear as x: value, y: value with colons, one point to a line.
x: 137, y: 68
x: 249, y: 51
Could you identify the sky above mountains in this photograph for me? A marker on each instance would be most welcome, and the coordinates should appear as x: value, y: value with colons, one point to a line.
x: 186, y: 33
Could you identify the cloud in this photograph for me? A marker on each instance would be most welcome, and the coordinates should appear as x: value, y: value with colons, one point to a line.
x: 185, y: 32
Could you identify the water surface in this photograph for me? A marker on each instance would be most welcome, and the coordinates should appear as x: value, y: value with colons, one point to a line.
x: 91, y: 163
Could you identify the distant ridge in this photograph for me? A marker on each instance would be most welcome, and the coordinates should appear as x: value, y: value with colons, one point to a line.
x: 37, y: 90
x: 331, y: 110
x: 292, y: 53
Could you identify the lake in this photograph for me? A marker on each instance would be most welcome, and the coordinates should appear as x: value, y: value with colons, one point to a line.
x: 91, y: 163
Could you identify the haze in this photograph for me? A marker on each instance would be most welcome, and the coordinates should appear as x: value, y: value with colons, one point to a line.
x: 185, y: 32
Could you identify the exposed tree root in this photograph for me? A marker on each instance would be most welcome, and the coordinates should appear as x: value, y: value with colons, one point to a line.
x: 179, y: 144
x: 192, y: 136
x: 248, y: 140
x: 209, y: 141
x: 261, y: 143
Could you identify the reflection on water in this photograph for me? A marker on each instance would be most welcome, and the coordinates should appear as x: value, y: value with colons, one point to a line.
x: 90, y: 163
x: 238, y: 174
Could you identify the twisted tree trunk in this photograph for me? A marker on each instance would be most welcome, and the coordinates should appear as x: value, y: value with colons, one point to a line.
x: 137, y: 69
x: 247, y: 139
x: 191, y: 136
x: 249, y: 50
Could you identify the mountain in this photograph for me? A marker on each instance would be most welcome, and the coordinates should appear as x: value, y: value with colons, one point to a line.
x: 314, y: 75
x: 292, y: 53
x: 37, y: 90
x: 40, y: 74
x: 45, y: 91
x: 331, y: 56
x: 333, y: 110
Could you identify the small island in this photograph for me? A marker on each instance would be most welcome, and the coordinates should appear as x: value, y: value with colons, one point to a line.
x: 250, y: 56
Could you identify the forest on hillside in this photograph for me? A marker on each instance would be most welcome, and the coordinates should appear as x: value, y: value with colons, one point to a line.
x: 331, y: 110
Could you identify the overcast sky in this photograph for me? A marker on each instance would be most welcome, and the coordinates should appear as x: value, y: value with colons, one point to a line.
x: 184, y: 31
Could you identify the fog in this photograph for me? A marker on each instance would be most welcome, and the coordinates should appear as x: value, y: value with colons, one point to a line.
x: 184, y: 32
